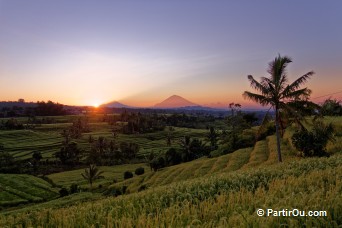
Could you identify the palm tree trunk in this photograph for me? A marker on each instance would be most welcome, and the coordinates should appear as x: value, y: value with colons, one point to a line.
x: 278, y: 135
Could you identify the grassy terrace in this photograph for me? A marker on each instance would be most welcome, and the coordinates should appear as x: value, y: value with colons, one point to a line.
x: 207, y: 192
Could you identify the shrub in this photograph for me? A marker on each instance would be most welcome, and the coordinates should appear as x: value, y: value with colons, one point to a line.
x: 128, y: 175
x: 313, y: 143
x: 74, y: 188
x: 139, y: 171
x: 172, y: 157
x: 63, y: 192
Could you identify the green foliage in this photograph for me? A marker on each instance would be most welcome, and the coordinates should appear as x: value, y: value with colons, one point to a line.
x: 69, y: 154
x: 91, y: 174
x: 63, y: 192
x: 74, y: 188
x: 213, y: 136
x: 128, y: 175
x: 139, y: 171
x: 313, y: 143
x: 157, y: 163
x: 331, y: 107
x: 11, y: 124
x: 172, y: 157
x: 275, y: 91
x: 49, y: 109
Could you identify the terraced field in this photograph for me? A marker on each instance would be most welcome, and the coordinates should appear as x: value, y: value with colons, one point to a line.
x: 225, y: 200
x: 48, y: 140
x: 241, y: 159
x: 264, y: 153
x: 110, y: 174
x: 207, y: 192
x: 21, y: 189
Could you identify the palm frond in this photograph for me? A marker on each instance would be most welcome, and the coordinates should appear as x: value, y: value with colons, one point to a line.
x: 263, y: 100
x: 257, y: 85
x: 297, y: 83
x: 277, y: 69
x: 301, y: 94
x: 294, y: 114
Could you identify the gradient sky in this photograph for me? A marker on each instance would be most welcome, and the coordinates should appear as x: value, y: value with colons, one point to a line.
x: 141, y: 52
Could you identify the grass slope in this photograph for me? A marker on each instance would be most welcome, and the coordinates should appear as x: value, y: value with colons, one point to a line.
x: 20, y: 189
x: 110, y: 174
x: 224, y: 200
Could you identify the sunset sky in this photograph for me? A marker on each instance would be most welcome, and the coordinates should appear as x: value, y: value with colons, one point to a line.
x: 141, y: 52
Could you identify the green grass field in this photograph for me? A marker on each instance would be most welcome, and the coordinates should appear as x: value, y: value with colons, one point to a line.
x: 21, y: 189
x: 223, y: 191
x: 47, y: 138
x: 110, y: 174
x: 224, y: 200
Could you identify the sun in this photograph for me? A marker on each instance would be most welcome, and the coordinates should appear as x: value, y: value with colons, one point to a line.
x: 95, y: 103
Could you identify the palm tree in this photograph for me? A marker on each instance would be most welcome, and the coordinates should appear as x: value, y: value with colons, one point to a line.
x: 91, y: 174
x: 276, y: 92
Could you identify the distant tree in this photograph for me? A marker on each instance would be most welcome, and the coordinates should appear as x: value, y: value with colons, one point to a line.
x: 250, y: 118
x: 173, y: 157
x: 69, y: 154
x: 49, y: 109
x: 129, y: 150
x: 91, y: 174
x: 213, y: 136
x: 157, y: 163
x: 198, y: 149
x: 185, y: 145
x: 332, y: 107
x: 275, y: 91
x: 66, y: 135
x: 236, y: 124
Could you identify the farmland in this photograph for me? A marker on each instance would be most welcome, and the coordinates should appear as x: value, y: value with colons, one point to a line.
x: 228, y: 199
x: 207, y: 192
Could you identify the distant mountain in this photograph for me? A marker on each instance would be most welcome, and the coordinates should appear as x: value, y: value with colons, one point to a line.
x: 115, y: 104
x: 175, y: 101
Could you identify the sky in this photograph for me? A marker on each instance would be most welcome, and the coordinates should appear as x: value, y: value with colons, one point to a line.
x: 141, y: 52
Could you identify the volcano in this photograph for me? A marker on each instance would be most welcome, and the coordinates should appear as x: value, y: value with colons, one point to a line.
x: 175, y: 101
x: 115, y: 104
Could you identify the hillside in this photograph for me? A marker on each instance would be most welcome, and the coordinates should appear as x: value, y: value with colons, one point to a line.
x: 225, y: 200
x: 243, y: 159
x: 223, y: 191
x: 21, y: 189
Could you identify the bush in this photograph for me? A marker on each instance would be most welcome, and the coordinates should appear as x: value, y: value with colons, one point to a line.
x: 139, y: 171
x: 313, y: 143
x: 74, y: 188
x: 173, y: 157
x: 63, y: 192
x: 128, y: 175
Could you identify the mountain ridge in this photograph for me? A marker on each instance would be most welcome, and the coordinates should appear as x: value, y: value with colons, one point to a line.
x: 175, y: 101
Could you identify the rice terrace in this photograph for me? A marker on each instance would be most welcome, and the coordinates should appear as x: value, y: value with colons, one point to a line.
x: 162, y: 114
